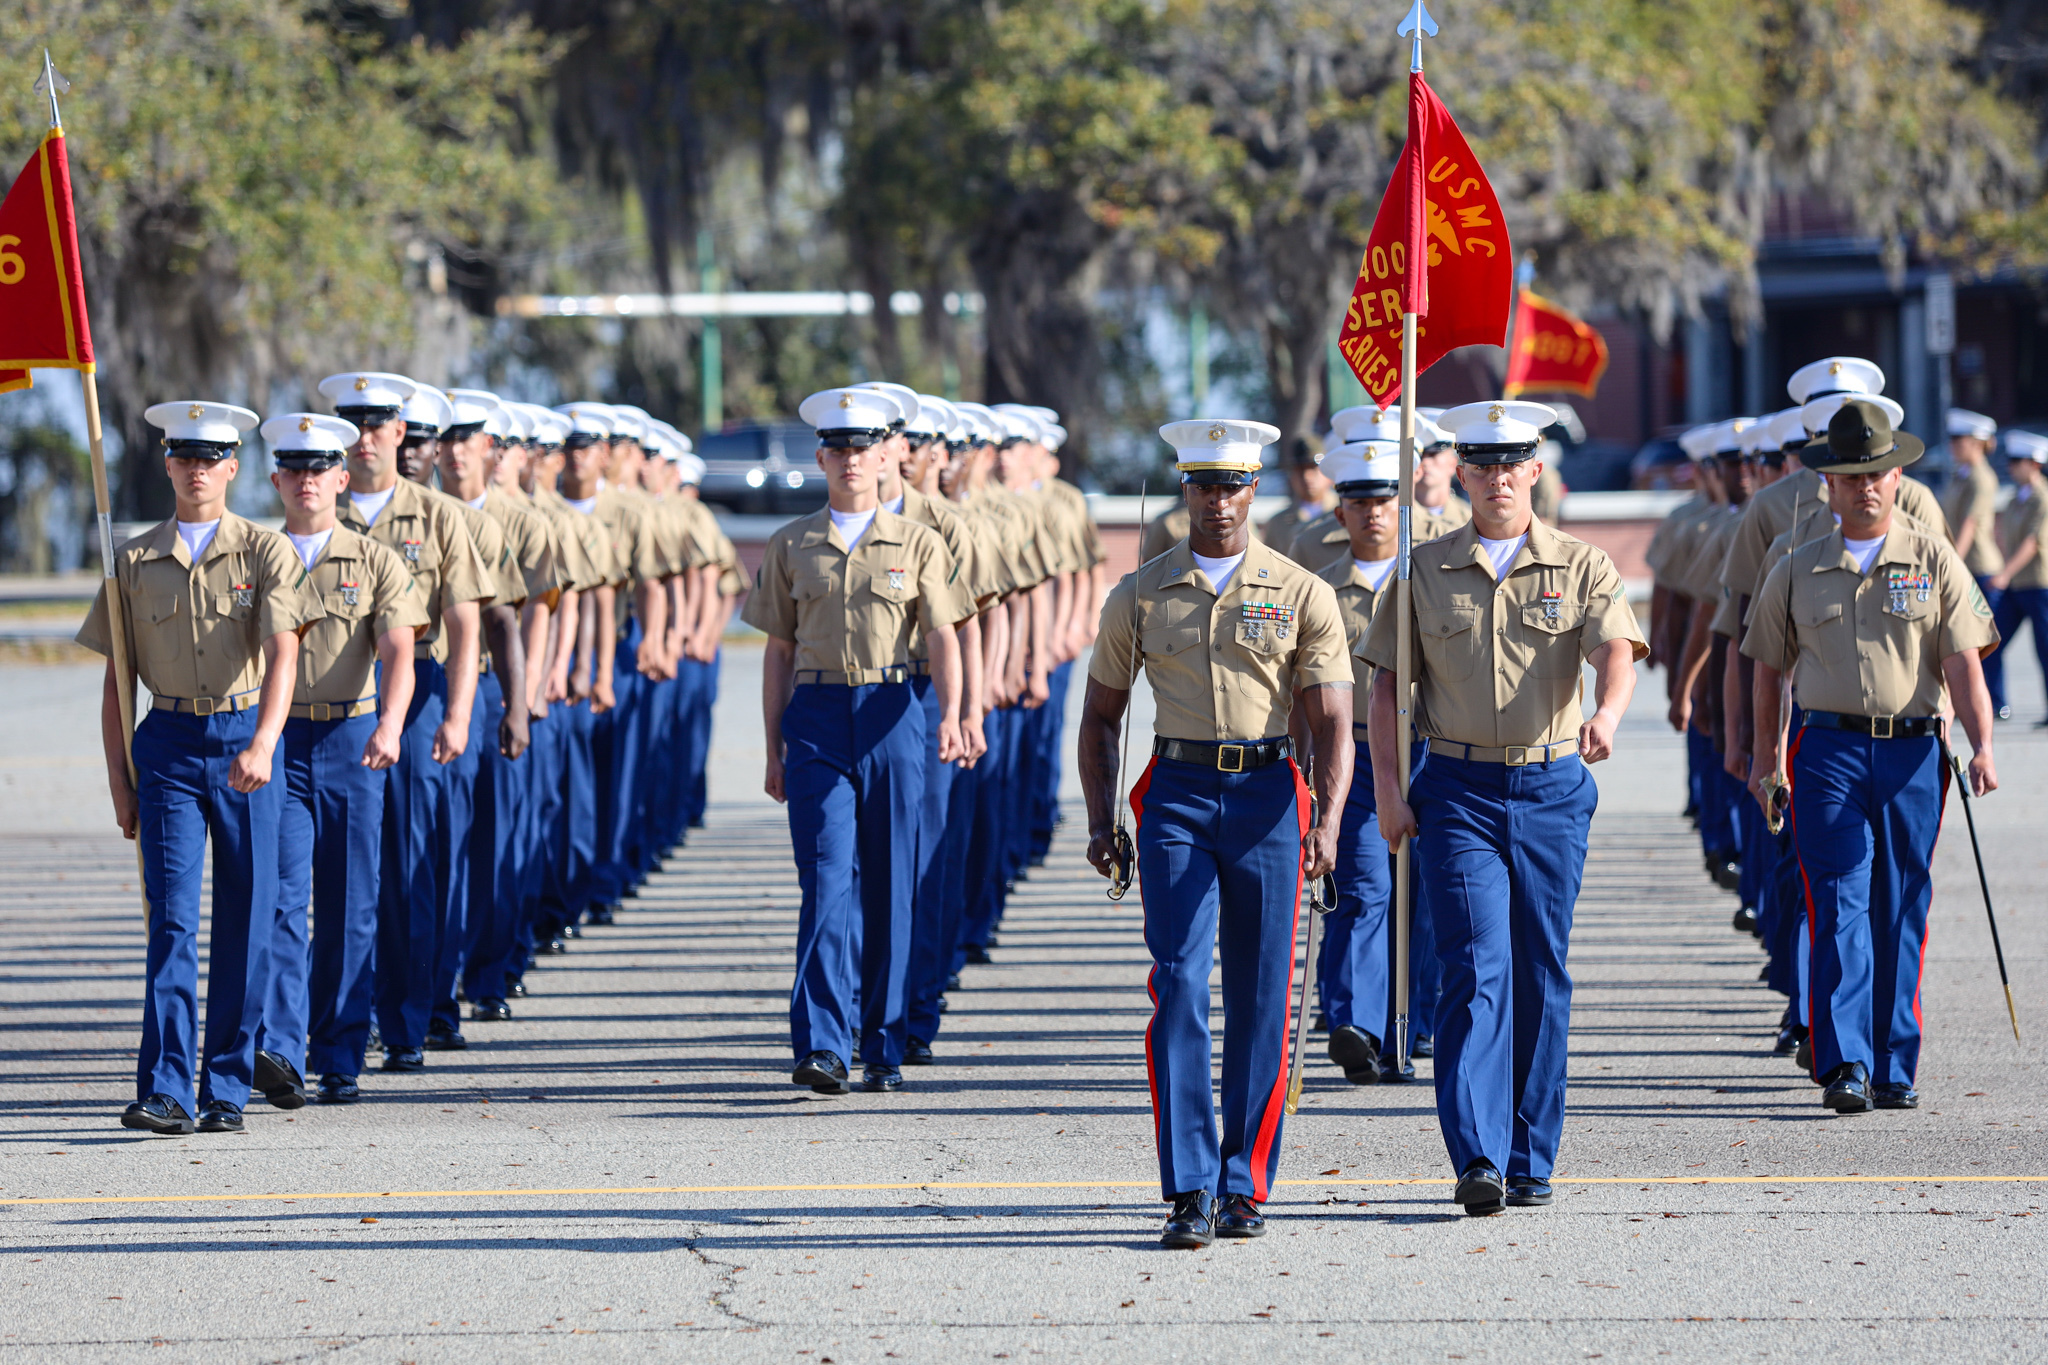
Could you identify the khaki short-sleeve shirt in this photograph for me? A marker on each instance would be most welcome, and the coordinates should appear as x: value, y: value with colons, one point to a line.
x: 1972, y: 496
x: 530, y: 547
x: 1665, y: 540
x: 197, y: 630
x: 430, y: 534
x: 636, y: 554
x: 1076, y: 503
x: 1165, y: 531
x: 2027, y: 520
x: 366, y: 592
x: 853, y: 611
x: 1700, y: 578
x: 1869, y: 644
x: 1498, y: 662
x: 1800, y: 497
x: 1222, y: 667
x: 936, y: 517
x: 1324, y: 541
x: 1357, y: 601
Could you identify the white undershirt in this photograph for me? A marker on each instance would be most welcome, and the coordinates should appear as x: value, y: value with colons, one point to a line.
x: 1220, y: 570
x: 852, y: 525
x: 895, y: 504
x: 1503, y: 552
x: 1865, y: 551
x: 1375, y: 571
x: 311, y: 547
x: 583, y: 505
x: 197, y: 535
x: 1432, y: 511
x: 477, y: 502
x: 372, y: 505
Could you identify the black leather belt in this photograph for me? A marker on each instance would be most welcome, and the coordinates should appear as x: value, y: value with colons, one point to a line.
x: 1225, y: 758
x: 1877, y: 727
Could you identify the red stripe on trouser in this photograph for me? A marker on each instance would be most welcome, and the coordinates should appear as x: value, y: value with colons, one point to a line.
x: 1276, y: 1102
x: 1138, y: 789
x: 1806, y: 887
x: 1927, y: 930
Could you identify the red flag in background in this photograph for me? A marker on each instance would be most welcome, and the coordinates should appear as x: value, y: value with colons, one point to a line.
x: 1552, y: 351
x: 42, y: 294
x: 1458, y: 283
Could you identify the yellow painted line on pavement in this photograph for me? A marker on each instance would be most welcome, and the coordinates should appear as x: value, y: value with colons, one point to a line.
x: 941, y: 1187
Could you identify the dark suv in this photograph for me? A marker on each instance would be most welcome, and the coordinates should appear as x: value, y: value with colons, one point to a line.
x: 763, y: 467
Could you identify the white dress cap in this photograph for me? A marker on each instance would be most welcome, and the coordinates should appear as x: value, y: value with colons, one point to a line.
x: 309, y: 432
x: 902, y: 395
x: 1211, y: 445
x: 1716, y: 438
x: 1963, y: 422
x: 690, y: 468
x: 2025, y: 445
x: 587, y: 419
x: 428, y: 407
x: 982, y: 424
x: 1364, y: 463
x: 473, y: 408
x: 543, y: 425
x: 1021, y: 423
x: 1837, y: 374
x: 1502, y: 422
x: 220, y: 424
x: 1816, y: 414
x: 1368, y: 423
x: 935, y: 417
x: 367, y: 389
x: 516, y: 421
x: 1055, y: 436
x: 628, y: 422
x: 1782, y: 431
x: 854, y: 409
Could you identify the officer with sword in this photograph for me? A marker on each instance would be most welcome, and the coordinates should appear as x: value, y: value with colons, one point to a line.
x: 1231, y: 636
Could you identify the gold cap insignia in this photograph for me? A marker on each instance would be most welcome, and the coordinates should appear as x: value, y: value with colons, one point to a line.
x: 1217, y: 433
x: 305, y: 424
x: 1496, y: 412
x: 1834, y: 367
x: 845, y: 400
x: 361, y: 383
x: 195, y: 412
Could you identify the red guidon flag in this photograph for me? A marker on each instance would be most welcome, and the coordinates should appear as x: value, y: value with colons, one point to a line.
x: 1439, y: 248
x: 1552, y: 351
x: 42, y: 295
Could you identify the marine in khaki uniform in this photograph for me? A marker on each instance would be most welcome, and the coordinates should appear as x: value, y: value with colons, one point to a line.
x: 1881, y: 631
x: 1233, y: 638
x: 1163, y: 532
x: 1325, y: 541
x: 1309, y: 499
x: 422, y: 839
x: 211, y: 606
x: 1969, y: 499
x: 343, y: 735
x: 2021, y: 582
x: 1505, y: 612
x: 840, y: 594
x: 666, y: 756
x: 721, y: 586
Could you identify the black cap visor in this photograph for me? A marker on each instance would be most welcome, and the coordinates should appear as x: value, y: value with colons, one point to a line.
x: 368, y: 417
x: 1370, y: 488
x: 461, y: 431
x: 577, y: 440
x: 850, y: 438
x: 187, y: 449
x: 1498, y: 453
x: 307, y: 459
x: 1227, y: 478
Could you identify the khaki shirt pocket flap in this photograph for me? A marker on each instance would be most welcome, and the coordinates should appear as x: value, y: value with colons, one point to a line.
x: 235, y: 604
x: 898, y: 587
x: 1553, y: 617
x: 1261, y: 637
x: 157, y: 608
x: 1170, y: 640
x: 1813, y: 615
x: 347, y: 604
x: 810, y: 589
x: 1442, y: 623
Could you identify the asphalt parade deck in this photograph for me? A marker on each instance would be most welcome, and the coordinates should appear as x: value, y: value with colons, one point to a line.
x: 624, y: 1167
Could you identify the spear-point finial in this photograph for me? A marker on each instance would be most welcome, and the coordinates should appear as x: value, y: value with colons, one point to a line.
x: 53, y: 83
x: 1420, y: 25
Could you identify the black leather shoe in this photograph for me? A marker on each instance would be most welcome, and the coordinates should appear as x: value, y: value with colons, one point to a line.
x: 917, y: 1052
x: 1802, y: 1054
x: 881, y: 1079
x: 978, y: 955
x: 280, y: 1081
x: 1691, y: 812
x: 554, y: 947
x: 490, y: 1008
x: 376, y: 1039
x: 218, y: 1116
x: 604, y: 914
x: 2003, y: 713
x: 1192, y: 1224
x: 1527, y: 1192
x: 1791, y: 1038
x: 944, y: 1005
x: 404, y: 1059
x: 159, y: 1114
x: 1892, y: 1095
x: 574, y: 930
x: 516, y: 988
x: 1390, y: 1074
x: 953, y: 982
x: 822, y: 1072
x: 1745, y: 919
x: 441, y: 1038
x: 1423, y: 1046
x: 338, y: 1089
x: 1480, y: 1189
x: 1358, y: 1052
x: 1725, y: 869
x: 1238, y: 1216
x: 1847, y: 1089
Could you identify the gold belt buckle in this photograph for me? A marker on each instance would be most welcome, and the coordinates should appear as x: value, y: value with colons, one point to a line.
x: 1516, y: 756
x: 322, y: 711
x: 203, y: 706
x: 1235, y: 751
x: 1885, y: 722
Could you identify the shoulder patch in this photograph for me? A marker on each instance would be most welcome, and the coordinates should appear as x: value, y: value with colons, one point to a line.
x: 1977, y: 602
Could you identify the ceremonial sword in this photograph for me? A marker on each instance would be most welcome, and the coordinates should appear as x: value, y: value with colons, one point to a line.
x: 1124, y: 853
x: 1963, y: 785
x: 1322, y: 899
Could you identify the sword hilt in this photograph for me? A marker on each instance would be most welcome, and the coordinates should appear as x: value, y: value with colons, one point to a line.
x: 1124, y: 854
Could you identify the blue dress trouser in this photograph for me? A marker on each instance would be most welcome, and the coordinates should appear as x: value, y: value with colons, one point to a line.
x: 616, y: 745
x: 573, y: 850
x: 1219, y: 865
x: 984, y: 877
x: 1354, y: 970
x: 538, y: 835
x: 453, y: 854
x: 1045, y: 787
x: 1502, y: 850
x: 1753, y: 837
x: 2014, y: 607
x: 854, y: 760
x: 1865, y: 813
x: 657, y: 760
x: 932, y: 930
x: 1717, y: 810
x: 329, y: 836
x: 698, y: 790
x: 416, y: 845
x: 497, y: 852
x: 183, y: 801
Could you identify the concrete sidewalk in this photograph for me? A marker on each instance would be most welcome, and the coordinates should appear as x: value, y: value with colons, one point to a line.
x: 625, y: 1167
